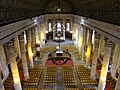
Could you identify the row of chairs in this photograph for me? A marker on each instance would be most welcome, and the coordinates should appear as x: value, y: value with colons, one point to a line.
x: 30, y: 88
x: 111, y: 81
x: 50, y: 77
x: 79, y: 89
x: 34, y: 79
x: 8, y: 84
x: 48, y: 49
x: 78, y: 55
x: 68, y: 76
x: 70, y: 48
x: 84, y: 76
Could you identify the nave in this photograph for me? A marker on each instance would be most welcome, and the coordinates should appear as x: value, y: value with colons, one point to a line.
x: 66, y: 77
x: 39, y: 58
x: 57, y: 77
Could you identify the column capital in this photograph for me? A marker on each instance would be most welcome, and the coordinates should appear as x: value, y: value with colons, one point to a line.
x: 108, y: 43
x: 10, y: 44
x: 90, y: 30
x: 97, y: 35
x: 21, y: 36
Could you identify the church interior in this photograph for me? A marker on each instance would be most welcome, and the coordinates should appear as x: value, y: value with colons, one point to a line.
x: 60, y: 45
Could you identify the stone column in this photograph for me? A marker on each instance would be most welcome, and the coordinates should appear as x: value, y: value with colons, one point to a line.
x: 46, y: 24
x: 78, y: 35
x: 37, y: 35
x: 89, y: 48
x: 71, y: 24
x: 23, y: 53
x: 105, y: 63
x: 40, y: 35
x: 30, y: 54
x: 101, y: 45
x: 118, y: 81
x: 37, y: 38
x: 54, y: 30
x: 115, y: 60
x: 17, y: 47
x: 81, y: 39
x: 84, y: 42
x: 1, y: 83
x: 64, y: 29
x: 95, y: 56
x: 33, y: 41
x: 13, y: 65
x: 3, y: 63
x: 33, y: 37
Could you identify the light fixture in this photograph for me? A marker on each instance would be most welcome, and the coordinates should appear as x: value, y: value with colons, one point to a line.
x: 46, y: 31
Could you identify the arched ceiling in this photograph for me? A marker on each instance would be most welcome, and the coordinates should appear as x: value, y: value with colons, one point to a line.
x: 15, y: 10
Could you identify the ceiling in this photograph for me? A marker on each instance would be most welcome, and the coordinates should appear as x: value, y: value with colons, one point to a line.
x: 103, y: 10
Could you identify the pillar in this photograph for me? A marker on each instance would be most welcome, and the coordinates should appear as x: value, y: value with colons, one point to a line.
x: 13, y: 65
x: 71, y: 24
x: 40, y: 30
x: 30, y: 54
x: 81, y: 39
x: 42, y: 35
x: 1, y: 83
x: 54, y: 31
x: 3, y: 63
x: 84, y: 42
x: 105, y: 63
x: 17, y: 47
x: 37, y: 35
x: 64, y: 29
x: 33, y: 36
x: 37, y: 38
x: 77, y: 35
x: 23, y: 53
x: 101, y: 45
x: 89, y: 48
x: 118, y: 81
x: 33, y: 41
x: 95, y: 55
x: 115, y: 60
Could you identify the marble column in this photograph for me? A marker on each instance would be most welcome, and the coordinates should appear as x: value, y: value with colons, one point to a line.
x: 3, y: 63
x: 23, y: 53
x: 13, y: 65
x: 1, y: 83
x: 33, y: 37
x: 54, y: 31
x: 40, y: 35
x: 95, y: 55
x: 115, y: 60
x: 81, y: 39
x: 101, y: 45
x: 63, y: 29
x: 105, y: 63
x: 117, y: 87
x: 84, y: 43
x: 37, y: 38
x: 89, y: 48
x: 77, y: 36
x: 30, y: 54
x: 71, y: 24
x: 37, y: 35
x: 17, y: 47
x: 33, y: 41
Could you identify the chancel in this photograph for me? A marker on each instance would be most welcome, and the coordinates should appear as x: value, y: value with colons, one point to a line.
x: 59, y: 45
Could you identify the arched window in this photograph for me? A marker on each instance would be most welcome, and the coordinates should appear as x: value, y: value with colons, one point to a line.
x: 58, y: 26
